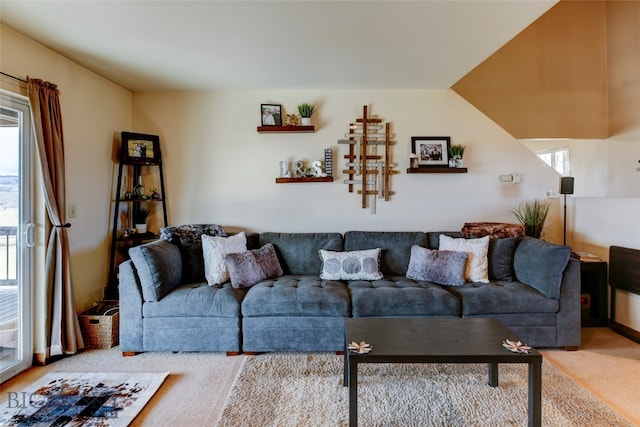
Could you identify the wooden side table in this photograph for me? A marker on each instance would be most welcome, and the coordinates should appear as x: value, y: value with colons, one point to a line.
x: 593, y: 295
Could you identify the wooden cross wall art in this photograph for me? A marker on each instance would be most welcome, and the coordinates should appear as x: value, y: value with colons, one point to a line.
x: 368, y: 165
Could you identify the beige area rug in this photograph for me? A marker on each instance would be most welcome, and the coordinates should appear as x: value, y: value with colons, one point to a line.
x: 307, y: 390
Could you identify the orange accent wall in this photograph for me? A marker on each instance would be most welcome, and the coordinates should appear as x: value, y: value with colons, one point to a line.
x: 550, y: 81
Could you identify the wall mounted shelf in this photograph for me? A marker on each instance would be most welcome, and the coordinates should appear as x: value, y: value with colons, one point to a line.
x: 304, y: 179
x: 437, y: 170
x: 281, y: 129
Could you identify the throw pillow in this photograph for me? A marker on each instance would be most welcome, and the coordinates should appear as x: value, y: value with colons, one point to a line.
x: 350, y: 265
x: 500, y: 255
x: 477, y: 268
x: 214, y: 251
x: 541, y: 265
x: 250, y: 267
x: 441, y: 267
x: 159, y: 267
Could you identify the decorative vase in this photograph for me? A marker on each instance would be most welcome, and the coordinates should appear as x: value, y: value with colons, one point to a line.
x: 306, y: 121
x: 458, y: 161
x: 138, y: 190
x: 141, y: 228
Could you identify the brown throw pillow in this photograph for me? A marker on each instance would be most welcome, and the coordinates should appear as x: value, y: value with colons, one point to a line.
x: 248, y: 268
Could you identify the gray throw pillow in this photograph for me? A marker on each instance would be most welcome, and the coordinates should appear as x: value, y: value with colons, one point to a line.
x: 159, y: 267
x: 250, y: 267
x: 501, y: 252
x: 441, y: 267
x: 541, y: 264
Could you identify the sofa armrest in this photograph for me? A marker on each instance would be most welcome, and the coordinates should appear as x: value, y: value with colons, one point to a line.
x: 569, y: 315
x: 130, y: 308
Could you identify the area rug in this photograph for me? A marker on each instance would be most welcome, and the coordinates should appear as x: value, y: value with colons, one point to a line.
x: 109, y: 399
x: 307, y: 390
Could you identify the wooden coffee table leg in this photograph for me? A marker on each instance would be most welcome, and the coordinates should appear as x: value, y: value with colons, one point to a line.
x: 493, y: 374
x: 535, y: 394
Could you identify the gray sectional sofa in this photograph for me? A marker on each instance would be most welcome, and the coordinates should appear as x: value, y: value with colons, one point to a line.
x: 167, y: 305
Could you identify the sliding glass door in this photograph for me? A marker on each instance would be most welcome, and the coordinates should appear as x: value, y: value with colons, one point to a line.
x: 16, y: 235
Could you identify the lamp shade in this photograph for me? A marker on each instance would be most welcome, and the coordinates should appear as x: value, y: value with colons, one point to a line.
x: 566, y: 185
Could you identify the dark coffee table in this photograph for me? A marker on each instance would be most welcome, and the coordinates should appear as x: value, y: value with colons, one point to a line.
x: 437, y: 340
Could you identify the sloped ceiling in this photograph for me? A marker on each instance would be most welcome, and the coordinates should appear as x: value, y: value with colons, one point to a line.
x: 274, y: 45
x: 550, y: 81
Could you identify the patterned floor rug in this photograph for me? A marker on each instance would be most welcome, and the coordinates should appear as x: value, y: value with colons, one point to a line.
x: 109, y: 399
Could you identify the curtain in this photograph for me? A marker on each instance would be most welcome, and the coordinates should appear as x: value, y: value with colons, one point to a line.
x: 56, y: 326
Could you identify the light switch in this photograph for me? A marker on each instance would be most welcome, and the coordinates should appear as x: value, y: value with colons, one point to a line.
x: 71, y: 210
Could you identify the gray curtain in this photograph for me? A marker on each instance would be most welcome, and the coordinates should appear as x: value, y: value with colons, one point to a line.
x: 56, y: 326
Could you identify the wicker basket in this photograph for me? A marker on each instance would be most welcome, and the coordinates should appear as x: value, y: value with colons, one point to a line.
x: 100, y: 325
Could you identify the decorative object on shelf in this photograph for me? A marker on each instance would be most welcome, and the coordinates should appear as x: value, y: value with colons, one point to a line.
x: 140, y: 220
x: 413, y: 161
x: 532, y: 215
x: 456, y: 151
x: 432, y: 151
x: 138, y: 190
x: 516, y: 346
x: 298, y: 168
x: 154, y: 193
x: 306, y: 111
x: 125, y: 233
x: 316, y: 168
x: 360, y: 348
x: 284, y: 169
x: 128, y: 195
x: 291, y: 120
x: 271, y: 114
x: 365, y: 160
x: 328, y: 161
x: 138, y: 148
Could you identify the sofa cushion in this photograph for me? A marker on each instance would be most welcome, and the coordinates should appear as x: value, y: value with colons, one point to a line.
x: 540, y: 264
x: 477, y: 268
x: 297, y: 295
x: 214, y: 251
x: 250, y: 267
x: 395, y: 245
x: 188, y: 238
x: 298, y: 252
x: 159, y: 267
x: 354, y: 265
x: 502, y: 298
x: 197, y: 300
x: 442, y: 267
x: 500, y: 257
x: 400, y: 296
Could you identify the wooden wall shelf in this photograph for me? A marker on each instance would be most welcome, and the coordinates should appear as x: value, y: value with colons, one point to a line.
x: 443, y: 169
x: 304, y: 179
x: 281, y: 129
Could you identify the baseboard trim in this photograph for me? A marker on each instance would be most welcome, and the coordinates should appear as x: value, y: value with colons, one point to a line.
x: 624, y: 330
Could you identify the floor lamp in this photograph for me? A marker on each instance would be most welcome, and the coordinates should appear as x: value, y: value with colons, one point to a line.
x: 566, y: 187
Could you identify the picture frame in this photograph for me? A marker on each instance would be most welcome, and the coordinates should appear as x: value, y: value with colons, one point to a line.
x: 432, y: 151
x: 271, y: 114
x: 139, y: 148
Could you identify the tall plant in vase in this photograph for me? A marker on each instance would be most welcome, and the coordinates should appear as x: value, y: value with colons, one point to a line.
x: 140, y: 220
x: 532, y: 215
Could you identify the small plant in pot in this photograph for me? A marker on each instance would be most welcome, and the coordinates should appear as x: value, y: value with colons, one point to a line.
x: 306, y: 110
x: 456, y: 151
x: 140, y: 220
x: 532, y: 215
x: 154, y: 193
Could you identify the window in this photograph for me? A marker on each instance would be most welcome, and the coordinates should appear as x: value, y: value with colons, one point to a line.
x: 558, y: 159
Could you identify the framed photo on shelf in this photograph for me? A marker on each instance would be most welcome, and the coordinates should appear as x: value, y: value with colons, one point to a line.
x: 140, y: 148
x: 271, y: 114
x: 432, y: 151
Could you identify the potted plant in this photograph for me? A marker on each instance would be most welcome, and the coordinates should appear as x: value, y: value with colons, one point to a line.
x: 154, y: 193
x: 455, y: 152
x: 140, y: 220
x: 306, y: 110
x: 532, y: 215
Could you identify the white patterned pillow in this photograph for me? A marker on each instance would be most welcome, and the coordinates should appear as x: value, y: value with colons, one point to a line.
x: 354, y: 265
x: 214, y: 250
x: 477, y: 268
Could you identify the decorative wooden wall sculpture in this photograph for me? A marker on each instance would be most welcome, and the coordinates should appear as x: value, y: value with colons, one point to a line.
x: 367, y: 161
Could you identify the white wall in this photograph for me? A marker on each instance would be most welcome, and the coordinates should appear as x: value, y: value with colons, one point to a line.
x: 93, y: 111
x: 219, y: 169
